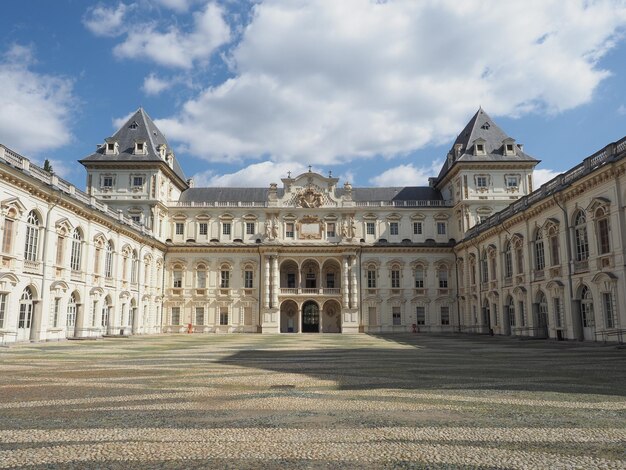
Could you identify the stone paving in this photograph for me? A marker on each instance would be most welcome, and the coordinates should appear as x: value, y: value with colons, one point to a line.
x: 312, y: 401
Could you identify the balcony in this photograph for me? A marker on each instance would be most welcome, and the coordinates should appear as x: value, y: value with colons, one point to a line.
x: 329, y: 291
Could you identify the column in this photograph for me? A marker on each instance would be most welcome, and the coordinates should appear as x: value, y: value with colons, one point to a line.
x: 300, y: 319
x: 36, y: 321
x: 354, y: 303
x: 344, y: 282
x: 275, y: 281
x: 267, y: 282
x: 78, y: 322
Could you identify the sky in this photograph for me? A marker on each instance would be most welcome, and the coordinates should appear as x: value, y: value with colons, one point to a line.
x: 373, y: 91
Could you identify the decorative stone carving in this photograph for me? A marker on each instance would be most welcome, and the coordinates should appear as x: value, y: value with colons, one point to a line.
x: 309, y: 198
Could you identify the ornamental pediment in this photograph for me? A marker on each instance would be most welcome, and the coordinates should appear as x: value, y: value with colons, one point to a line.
x: 309, y: 190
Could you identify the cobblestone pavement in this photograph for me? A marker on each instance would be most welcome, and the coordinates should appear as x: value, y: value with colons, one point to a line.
x: 312, y: 401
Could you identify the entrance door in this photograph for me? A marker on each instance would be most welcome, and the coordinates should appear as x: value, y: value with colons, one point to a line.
x: 310, y: 318
x: 26, y: 315
x: 587, y: 315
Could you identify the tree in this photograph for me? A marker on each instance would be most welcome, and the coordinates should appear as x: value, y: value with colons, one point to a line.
x: 47, y: 166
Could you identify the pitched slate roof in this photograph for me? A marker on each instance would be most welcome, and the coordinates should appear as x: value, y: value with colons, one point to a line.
x: 481, y: 126
x: 400, y: 193
x: 139, y: 127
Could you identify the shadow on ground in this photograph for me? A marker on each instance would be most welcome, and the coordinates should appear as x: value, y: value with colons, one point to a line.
x: 459, y: 362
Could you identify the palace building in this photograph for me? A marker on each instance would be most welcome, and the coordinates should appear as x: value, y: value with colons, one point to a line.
x: 143, y: 251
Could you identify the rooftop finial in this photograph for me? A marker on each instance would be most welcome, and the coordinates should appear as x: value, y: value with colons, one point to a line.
x: 309, y: 168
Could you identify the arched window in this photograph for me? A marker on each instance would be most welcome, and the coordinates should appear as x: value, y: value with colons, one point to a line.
x: 443, y: 276
x: 134, y: 268
x: 553, y: 236
x: 586, y: 307
x: 26, y: 309
x: 71, y: 313
x: 177, y: 277
x: 371, y: 276
x: 508, y: 260
x: 540, y: 258
x: 108, y: 260
x: 510, y: 308
x: 77, y: 245
x: 106, y: 309
x: 32, y: 237
x: 201, y: 276
x: 580, y: 236
x: 602, y: 229
x: 225, y: 276
x: 419, y: 277
x: 484, y: 267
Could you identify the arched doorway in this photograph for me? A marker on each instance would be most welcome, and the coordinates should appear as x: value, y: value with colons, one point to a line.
x: 587, y: 317
x: 331, y: 317
x: 289, y: 317
x: 509, y: 316
x: 310, y: 317
x: 106, y: 315
x: 26, y: 315
x: 70, y: 321
x: 542, y: 315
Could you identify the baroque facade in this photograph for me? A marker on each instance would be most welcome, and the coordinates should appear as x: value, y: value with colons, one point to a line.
x: 142, y: 251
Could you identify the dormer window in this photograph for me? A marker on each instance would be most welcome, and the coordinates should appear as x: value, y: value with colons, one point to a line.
x: 134, y: 125
x: 140, y: 148
x: 111, y: 148
x: 509, y: 147
x: 479, y: 147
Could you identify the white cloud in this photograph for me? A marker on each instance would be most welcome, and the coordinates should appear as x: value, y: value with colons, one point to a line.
x: 174, y: 47
x: 621, y: 110
x: 543, y: 175
x: 106, y: 21
x: 153, y: 85
x: 34, y: 107
x: 255, y: 175
x: 326, y: 81
x: 407, y: 175
x: 176, y: 5
x: 120, y: 121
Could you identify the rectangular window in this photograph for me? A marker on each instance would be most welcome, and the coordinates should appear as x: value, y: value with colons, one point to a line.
x: 395, y: 279
x: 175, y: 315
x: 419, y: 278
x: 607, y: 305
x: 393, y: 228
x: 441, y: 228
x: 519, y: 254
x: 178, y: 279
x: 225, y: 279
x: 289, y: 230
x: 137, y: 181
x: 250, y: 228
x: 96, y: 261
x: 107, y: 182
x: 3, y: 308
x: 445, y: 315
x: 180, y: 228
x: 226, y: 228
x: 248, y: 280
x: 203, y: 228
x: 396, y: 316
x: 417, y: 228
x: 136, y: 218
x: 223, y: 315
x: 370, y: 228
x: 56, y: 311
x: 60, y: 250
x: 554, y: 250
x: 603, y: 236
x: 420, y: 313
x: 7, y: 237
x: 443, y: 279
x: 511, y: 181
x: 481, y: 182
x: 330, y: 280
x: 330, y: 230
x: 371, y: 279
x: 199, y: 315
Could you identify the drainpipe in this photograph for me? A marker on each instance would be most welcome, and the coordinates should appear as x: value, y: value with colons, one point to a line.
x: 458, y: 302
x: 35, y: 330
x: 575, y: 309
x: 163, y: 289
x: 260, y: 291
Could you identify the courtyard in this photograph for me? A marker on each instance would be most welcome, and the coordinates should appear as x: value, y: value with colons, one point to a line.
x: 313, y: 401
